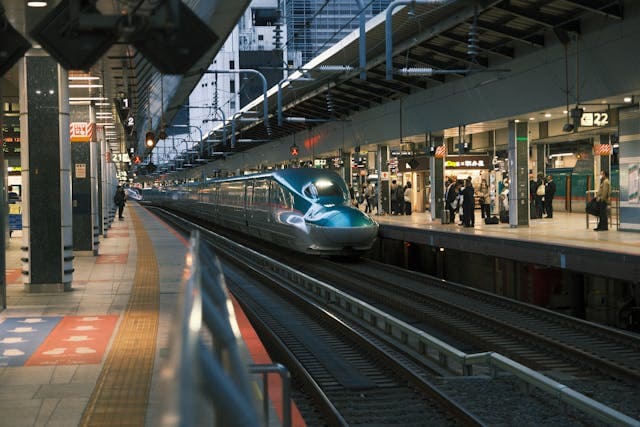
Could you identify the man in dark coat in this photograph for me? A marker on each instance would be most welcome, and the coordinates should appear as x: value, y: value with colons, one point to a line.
x: 468, y: 204
x: 119, y: 199
x: 549, y: 192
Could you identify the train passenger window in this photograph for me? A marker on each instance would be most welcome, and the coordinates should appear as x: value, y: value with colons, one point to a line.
x: 261, y: 194
x: 281, y: 197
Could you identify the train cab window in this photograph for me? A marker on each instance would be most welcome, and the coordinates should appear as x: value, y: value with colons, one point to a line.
x: 323, y: 188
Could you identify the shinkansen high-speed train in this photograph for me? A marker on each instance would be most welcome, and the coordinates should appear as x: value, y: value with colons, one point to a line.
x: 305, y: 209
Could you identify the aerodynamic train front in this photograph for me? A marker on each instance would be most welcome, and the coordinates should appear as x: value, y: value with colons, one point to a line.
x: 305, y: 209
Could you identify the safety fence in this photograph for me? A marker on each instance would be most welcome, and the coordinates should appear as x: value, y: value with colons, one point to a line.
x: 208, y: 377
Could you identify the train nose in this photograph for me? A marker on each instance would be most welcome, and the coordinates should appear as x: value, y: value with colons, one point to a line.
x: 341, y: 216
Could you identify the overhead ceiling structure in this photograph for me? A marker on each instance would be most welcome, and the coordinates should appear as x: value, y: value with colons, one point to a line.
x: 121, y: 48
x: 433, y: 43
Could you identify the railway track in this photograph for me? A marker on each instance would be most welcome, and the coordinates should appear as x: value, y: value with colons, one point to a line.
x: 406, y: 294
x: 567, y: 349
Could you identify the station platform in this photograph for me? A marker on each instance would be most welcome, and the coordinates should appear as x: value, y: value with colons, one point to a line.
x: 569, y: 229
x: 565, y: 241
x: 93, y: 355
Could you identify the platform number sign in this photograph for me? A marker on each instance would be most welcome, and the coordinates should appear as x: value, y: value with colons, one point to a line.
x: 124, y: 113
x: 594, y: 119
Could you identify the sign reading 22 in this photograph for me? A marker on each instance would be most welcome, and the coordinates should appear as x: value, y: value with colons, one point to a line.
x: 594, y: 119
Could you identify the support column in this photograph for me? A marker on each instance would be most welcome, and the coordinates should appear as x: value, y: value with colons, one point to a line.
x: 384, y: 201
x: 94, y: 154
x: 82, y: 188
x: 4, y: 227
x: 436, y: 167
x: 103, y: 170
x: 518, y: 174
x: 47, y: 261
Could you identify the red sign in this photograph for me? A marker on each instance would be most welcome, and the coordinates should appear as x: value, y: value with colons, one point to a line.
x: 602, y: 149
x: 441, y: 152
x: 81, y: 131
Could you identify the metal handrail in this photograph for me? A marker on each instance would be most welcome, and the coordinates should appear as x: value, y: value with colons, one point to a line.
x: 206, y: 376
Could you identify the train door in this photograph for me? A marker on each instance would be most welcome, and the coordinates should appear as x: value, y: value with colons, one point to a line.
x: 259, y: 213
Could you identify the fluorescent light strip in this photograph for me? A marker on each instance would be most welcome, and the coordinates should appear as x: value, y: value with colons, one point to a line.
x: 84, y: 86
x: 84, y: 78
x: 560, y: 155
x: 88, y: 98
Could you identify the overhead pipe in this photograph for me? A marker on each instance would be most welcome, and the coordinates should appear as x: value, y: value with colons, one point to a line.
x: 388, y: 30
x: 201, y: 137
x: 264, y: 89
x: 302, y: 78
x: 363, y: 41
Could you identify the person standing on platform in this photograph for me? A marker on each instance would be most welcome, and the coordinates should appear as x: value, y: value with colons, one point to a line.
x: 407, y: 199
x: 539, y: 197
x: 485, y: 199
x: 603, y: 197
x: 451, y: 197
x: 119, y: 199
x: 399, y: 199
x: 533, y: 186
x: 368, y: 197
x: 549, y: 193
x: 468, y: 204
x: 392, y: 196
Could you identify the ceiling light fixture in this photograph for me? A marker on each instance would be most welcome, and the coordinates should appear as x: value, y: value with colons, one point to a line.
x: 88, y: 98
x: 84, y: 78
x: 35, y: 3
x: 84, y: 86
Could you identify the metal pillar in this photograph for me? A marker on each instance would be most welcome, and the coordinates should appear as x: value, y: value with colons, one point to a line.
x: 47, y: 260
x: 518, y: 173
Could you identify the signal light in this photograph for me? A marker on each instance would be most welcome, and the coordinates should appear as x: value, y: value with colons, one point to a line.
x: 150, y: 140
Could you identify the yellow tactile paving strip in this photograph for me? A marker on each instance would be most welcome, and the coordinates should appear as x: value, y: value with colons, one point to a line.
x: 121, y: 394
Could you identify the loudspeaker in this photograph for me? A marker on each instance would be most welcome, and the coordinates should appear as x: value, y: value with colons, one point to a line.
x: 175, y: 51
x: 74, y: 50
x: 12, y: 45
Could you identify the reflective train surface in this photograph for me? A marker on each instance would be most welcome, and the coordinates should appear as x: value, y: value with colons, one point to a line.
x: 304, y: 209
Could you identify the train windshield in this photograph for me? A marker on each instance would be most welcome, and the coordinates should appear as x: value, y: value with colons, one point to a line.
x: 323, y: 188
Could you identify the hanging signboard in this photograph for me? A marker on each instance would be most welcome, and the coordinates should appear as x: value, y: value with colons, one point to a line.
x: 468, y: 162
x: 602, y: 149
x: 594, y: 119
x: 81, y: 131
